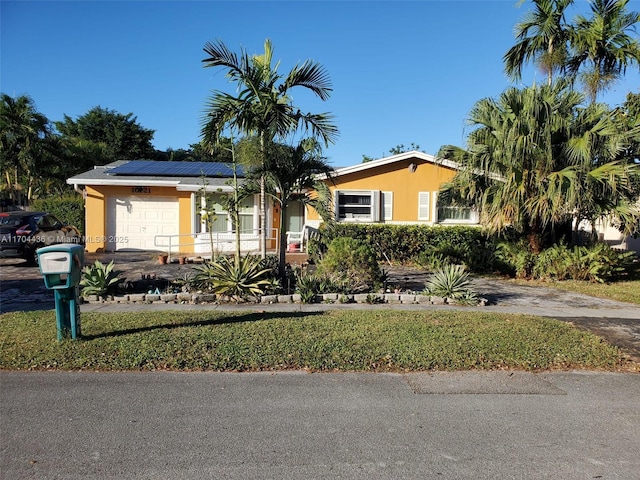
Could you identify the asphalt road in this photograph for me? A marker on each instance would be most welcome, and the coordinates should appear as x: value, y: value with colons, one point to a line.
x: 294, y: 425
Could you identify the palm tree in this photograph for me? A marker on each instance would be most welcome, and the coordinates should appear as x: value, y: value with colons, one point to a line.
x: 537, y: 159
x: 292, y: 175
x: 263, y: 106
x: 542, y: 36
x: 22, y: 133
x: 602, y: 46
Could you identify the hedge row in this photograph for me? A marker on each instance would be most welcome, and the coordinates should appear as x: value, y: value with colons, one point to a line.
x: 69, y: 209
x: 405, y: 243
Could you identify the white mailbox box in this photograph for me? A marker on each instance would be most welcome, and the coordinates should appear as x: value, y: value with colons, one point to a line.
x: 55, y: 262
x: 61, y: 264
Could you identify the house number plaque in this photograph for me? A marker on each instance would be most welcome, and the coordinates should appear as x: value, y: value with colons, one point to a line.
x: 141, y: 189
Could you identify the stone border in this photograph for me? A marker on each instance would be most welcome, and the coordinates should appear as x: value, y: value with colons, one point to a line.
x: 206, y: 298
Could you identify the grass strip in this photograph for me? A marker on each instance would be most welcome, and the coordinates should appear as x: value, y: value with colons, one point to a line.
x: 380, y: 341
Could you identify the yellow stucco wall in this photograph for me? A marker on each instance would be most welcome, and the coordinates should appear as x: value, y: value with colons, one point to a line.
x: 397, y: 178
x: 96, y: 212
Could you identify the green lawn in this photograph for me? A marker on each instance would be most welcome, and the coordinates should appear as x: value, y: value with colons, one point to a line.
x: 331, y: 341
x: 622, y: 291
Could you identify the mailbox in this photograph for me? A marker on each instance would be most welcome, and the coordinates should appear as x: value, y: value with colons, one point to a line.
x: 61, y: 264
x: 61, y: 267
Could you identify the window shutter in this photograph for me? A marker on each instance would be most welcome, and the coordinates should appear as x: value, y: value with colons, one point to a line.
x: 375, y: 205
x: 336, y: 205
x: 387, y: 201
x: 423, y: 206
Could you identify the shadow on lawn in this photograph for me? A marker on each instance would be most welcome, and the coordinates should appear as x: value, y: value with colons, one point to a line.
x: 248, y: 317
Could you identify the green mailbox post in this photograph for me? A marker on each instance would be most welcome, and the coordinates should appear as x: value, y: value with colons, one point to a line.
x: 61, y: 267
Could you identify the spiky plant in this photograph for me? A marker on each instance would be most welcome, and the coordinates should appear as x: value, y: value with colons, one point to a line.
x: 451, y: 281
x: 99, y: 279
x: 236, y: 280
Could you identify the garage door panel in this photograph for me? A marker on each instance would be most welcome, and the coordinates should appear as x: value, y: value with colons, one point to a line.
x: 133, y: 222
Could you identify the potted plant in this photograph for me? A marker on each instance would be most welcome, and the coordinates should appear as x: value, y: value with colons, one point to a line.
x: 162, y: 258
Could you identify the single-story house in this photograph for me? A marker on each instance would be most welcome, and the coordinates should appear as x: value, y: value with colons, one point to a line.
x: 400, y: 189
x: 158, y: 205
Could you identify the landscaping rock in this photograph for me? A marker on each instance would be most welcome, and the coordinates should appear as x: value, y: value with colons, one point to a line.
x: 269, y: 299
x: 137, y: 297
x: 168, y: 297
x: 406, y: 298
x: 204, y: 298
x: 437, y: 300
x: 361, y: 297
x: 184, y: 297
x: 391, y: 298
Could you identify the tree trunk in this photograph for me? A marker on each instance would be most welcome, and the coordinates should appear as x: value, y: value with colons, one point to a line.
x: 283, y: 244
x: 263, y: 216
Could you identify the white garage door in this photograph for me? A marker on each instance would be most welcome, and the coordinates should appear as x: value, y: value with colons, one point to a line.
x: 133, y: 222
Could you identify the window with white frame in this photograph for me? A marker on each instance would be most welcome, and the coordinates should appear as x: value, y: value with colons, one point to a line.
x: 363, y: 205
x: 221, y: 221
x: 246, y: 215
x: 455, y: 214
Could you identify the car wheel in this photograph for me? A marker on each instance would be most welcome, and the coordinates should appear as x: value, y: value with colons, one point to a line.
x: 31, y: 256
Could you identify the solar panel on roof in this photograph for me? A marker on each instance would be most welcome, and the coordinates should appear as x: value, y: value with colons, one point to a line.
x: 175, y: 169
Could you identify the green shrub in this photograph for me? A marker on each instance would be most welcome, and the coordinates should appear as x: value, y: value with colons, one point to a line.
x: 514, y: 258
x: 594, y: 263
x: 309, y: 285
x: 69, y: 209
x: 99, y: 279
x: 451, y: 281
x: 352, y: 261
x: 422, y: 244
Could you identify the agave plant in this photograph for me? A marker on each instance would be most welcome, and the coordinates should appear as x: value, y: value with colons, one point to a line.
x: 236, y: 280
x: 451, y: 281
x: 99, y: 279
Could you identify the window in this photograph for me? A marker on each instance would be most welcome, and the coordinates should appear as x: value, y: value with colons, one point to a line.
x: 222, y: 222
x: 457, y: 214
x: 357, y: 205
x: 246, y: 215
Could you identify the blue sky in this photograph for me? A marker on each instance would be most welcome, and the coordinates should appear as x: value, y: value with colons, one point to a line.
x: 402, y: 72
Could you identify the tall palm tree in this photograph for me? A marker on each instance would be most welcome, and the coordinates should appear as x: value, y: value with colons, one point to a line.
x: 292, y: 175
x: 542, y: 37
x: 22, y: 133
x: 536, y: 159
x: 602, y: 46
x: 263, y: 105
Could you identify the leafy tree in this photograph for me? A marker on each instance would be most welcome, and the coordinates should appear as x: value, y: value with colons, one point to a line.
x: 602, y: 46
x: 114, y: 135
x: 24, y: 144
x: 263, y: 106
x: 290, y: 174
x: 398, y: 149
x: 536, y: 158
x: 542, y: 37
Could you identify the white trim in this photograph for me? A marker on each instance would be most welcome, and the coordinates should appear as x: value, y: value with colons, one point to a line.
x: 392, y: 159
x: 125, y: 183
